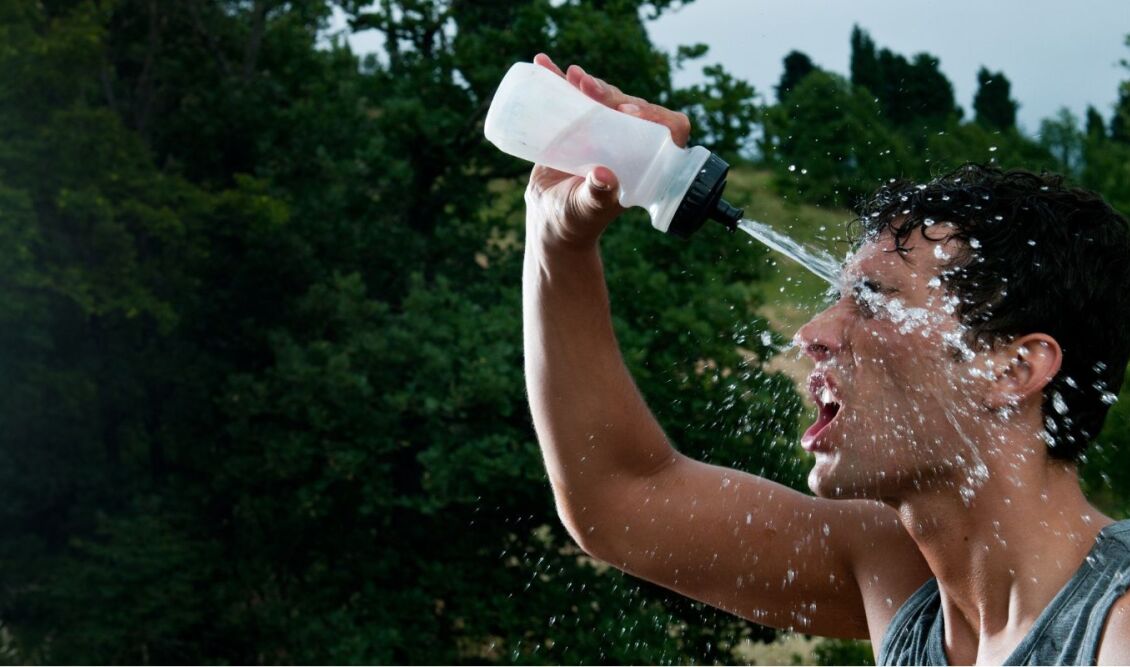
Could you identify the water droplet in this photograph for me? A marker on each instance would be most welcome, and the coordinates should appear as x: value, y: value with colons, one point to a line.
x: 992, y: 149
x: 792, y: 167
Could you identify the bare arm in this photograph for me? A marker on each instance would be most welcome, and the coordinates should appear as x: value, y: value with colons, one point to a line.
x: 733, y: 540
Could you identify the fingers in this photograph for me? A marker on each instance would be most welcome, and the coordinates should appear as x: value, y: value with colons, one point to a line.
x: 678, y: 123
x: 611, y: 96
x: 547, y: 62
x: 598, y: 89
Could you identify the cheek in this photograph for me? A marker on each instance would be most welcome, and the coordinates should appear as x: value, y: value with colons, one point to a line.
x: 879, y: 347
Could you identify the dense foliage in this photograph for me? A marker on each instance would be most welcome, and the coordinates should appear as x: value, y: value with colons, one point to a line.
x: 262, y: 341
x: 261, y: 326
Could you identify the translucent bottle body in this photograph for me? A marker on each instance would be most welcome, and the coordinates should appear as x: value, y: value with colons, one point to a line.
x: 538, y: 116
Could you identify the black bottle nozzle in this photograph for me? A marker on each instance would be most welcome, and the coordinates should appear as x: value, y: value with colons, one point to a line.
x: 727, y: 214
x: 703, y: 201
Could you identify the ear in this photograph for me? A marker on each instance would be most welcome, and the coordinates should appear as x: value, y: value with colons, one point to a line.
x: 1029, y: 364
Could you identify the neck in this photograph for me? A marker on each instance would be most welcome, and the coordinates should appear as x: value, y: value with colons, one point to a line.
x: 1002, y: 552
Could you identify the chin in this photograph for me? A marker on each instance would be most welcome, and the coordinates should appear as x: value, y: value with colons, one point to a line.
x: 829, y: 479
x: 823, y: 480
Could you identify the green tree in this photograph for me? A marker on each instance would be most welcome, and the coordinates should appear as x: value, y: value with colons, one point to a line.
x: 972, y: 142
x: 1120, y: 121
x: 264, y: 399
x: 722, y: 112
x: 1096, y: 127
x: 1106, y: 158
x: 911, y: 93
x: 829, y: 143
x: 797, y: 66
x: 864, y: 63
x: 993, y: 105
x: 1106, y: 466
x: 1062, y: 137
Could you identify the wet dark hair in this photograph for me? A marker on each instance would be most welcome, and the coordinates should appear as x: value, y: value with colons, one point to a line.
x: 1038, y: 257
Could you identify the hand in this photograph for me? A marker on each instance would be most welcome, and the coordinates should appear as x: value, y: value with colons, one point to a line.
x: 563, y: 209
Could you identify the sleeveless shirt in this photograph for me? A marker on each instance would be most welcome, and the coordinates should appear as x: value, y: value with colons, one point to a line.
x: 1067, y: 632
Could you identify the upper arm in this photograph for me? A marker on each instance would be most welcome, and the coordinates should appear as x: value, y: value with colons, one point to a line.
x: 761, y: 550
x: 1114, y: 647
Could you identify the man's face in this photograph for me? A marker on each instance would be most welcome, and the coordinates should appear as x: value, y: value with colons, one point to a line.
x: 899, y: 393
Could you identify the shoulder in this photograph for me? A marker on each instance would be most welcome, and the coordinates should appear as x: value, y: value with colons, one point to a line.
x: 1114, y: 647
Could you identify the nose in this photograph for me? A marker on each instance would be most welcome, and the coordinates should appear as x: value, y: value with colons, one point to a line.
x: 822, y: 337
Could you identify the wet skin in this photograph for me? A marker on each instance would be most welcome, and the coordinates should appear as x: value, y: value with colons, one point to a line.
x: 911, y: 408
x: 948, y: 433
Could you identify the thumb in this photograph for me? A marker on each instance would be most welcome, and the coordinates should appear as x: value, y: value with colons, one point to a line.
x: 599, y: 196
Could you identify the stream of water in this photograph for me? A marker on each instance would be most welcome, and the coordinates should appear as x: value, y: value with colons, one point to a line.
x: 817, y: 261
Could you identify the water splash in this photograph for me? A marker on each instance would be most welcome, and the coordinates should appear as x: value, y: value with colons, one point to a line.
x: 816, y: 261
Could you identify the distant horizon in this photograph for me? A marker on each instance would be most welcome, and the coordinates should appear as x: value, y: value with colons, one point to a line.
x: 1053, y: 58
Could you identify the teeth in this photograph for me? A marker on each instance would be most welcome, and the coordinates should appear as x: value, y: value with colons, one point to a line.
x: 826, y: 396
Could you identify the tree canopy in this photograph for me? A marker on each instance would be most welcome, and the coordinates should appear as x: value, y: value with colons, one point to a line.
x: 262, y: 340
x: 993, y: 105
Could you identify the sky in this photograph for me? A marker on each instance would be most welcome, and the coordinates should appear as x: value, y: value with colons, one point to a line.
x: 1056, y: 54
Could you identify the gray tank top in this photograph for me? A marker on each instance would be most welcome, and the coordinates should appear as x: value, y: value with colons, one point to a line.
x: 1067, y: 632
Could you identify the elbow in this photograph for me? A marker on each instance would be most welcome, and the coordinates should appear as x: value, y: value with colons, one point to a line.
x: 591, y: 536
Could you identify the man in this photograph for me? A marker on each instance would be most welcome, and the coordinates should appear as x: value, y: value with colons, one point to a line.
x: 973, y: 352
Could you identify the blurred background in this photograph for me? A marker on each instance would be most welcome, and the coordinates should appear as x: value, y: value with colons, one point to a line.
x: 260, y: 329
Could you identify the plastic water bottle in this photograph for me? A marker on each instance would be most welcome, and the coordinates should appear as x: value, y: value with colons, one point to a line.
x: 538, y: 116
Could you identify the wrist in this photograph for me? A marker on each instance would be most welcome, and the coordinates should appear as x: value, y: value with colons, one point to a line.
x: 549, y: 239
x: 549, y: 255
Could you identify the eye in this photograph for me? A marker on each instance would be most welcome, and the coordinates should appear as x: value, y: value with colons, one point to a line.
x: 865, y: 309
x: 866, y: 296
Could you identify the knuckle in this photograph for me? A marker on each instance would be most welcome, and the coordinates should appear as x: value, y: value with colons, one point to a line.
x: 532, y: 192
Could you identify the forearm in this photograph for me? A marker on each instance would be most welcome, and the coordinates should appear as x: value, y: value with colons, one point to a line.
x: 595, y: 430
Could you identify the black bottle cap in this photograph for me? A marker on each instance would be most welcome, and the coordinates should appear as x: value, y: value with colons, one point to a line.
x: 704, y: 201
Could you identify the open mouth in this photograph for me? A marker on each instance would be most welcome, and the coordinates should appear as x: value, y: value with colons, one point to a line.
x: 828, y: 405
